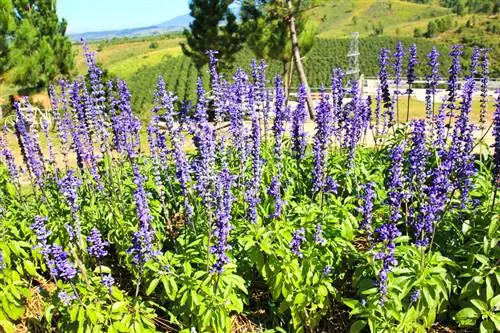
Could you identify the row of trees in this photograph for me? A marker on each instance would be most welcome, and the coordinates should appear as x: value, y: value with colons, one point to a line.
x: 462, y: 7
x: 33, y: 45
x: 273, y: 29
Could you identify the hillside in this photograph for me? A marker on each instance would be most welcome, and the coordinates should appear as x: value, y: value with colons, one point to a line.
x: 338, y: 19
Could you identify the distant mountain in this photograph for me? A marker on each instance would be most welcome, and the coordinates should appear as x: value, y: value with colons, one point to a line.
x: 177, y: 23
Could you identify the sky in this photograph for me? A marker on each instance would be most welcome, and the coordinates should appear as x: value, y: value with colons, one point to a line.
x: 99, y: 15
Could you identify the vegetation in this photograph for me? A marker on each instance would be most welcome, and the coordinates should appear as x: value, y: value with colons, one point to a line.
x: 214, y: 28
x: 33, y: 45
x: 365, y: 224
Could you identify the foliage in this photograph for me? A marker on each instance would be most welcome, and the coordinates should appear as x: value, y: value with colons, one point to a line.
x: 38, y: 48
x: 208, y: 227
x: 214, y: 28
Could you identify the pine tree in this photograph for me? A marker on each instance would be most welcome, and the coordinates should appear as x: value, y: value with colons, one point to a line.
x: 6, y: 28
x: 37, y: 47
x: 214, y: 27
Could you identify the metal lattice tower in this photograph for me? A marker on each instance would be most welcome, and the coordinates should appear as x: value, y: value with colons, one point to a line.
x: 353, y: 56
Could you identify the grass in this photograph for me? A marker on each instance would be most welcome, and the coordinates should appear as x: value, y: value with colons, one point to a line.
x: 340, y: 19
x: 126, y: 58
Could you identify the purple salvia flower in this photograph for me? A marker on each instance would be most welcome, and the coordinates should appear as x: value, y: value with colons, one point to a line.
x: 108, y: 282
x: 128, y: 124
x: 366, y: 208
x: 96, y: 247
x: 2, y: 263
x: 434, y: 202
x: 396, y: 182
x: 454, y: 73
x: 142, y: 248
x: 411, y: 75
x: 417, y: 157
x: 239, y: 92
x: 318, y: 235
x: 59, y: 264
x: 297, y: 239
x: 378, y: 103
x: 68, y: 187
x: 298, y: 118
x: 338, y: 114
x: 65, y: 298
x: 280, y: 117
x: 414, y: 296
x: 167, y: 100
x: 398, y: 65
x: 8, y: 158
x: 462, y: 144
x: 274, y: 191
x: 97, y: 122
x: 384, y: 85
x: 252, y: 194
x: 182, y: 173
x: 204, y: 163
x: 222, y: 225
x: 31, y: 151
x: 215, y: 82
x: 496, y: 144
x: 353, y: 123
x: 386, y: 233
x: 320, y: 142
x: 432, y: 81
x: 485, y: 72
x: 331, y: 185
x: 200, y: 114
x: 474, y: 61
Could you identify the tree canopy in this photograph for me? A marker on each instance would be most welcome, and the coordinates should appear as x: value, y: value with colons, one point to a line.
x: 214, y: 27
x: 33, y: 45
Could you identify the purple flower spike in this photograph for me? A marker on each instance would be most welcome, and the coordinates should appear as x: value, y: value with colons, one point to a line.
x: 297, y: 239
x: 97, y: 247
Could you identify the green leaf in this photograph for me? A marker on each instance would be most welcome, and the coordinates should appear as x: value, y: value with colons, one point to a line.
x: 486, y: 327
x: 467, y: 316
x: 120, y: 327
x: 30, y: 268
x: 495, y: 318
x: 91, y: 315
x: 7, y: 326
x: 119, y: 306
x: 495, y: 303
x: 482, y: 306
x: 300, y: 298
x: 347, y: 230
x: 357, y: 326
x: 351, y: 303
x: 152, y: 286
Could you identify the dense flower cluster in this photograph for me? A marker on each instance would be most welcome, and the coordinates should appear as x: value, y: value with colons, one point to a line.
x: 97, y: 247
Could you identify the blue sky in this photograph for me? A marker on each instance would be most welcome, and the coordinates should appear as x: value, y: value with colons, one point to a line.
x: 98, y: 15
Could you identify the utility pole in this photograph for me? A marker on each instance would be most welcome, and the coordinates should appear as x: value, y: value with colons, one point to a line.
x: 353, y: 56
